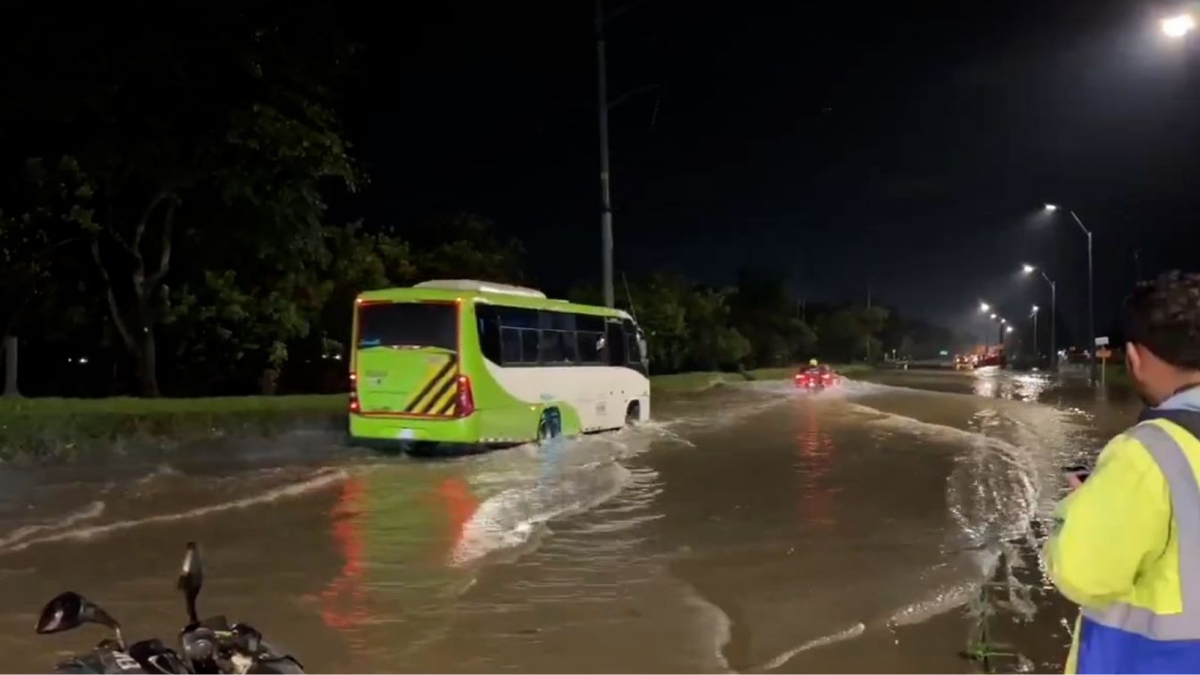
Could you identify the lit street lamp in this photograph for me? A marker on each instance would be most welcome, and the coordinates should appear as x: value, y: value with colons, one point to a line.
x: 993, y: 315
x: 1091, y: 292
x: 1008, y: 329
x: 1030, y: 269
x: 983, y: 307
x: 1178, y: 27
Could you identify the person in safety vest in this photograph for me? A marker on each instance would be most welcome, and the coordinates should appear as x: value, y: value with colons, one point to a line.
x: 1126, y: 541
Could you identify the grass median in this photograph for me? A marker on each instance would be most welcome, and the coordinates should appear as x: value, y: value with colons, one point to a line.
x: 63, y: 428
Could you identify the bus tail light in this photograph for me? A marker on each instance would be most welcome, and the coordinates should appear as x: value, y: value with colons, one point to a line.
x: 355, y: 406
x: 466, y: 398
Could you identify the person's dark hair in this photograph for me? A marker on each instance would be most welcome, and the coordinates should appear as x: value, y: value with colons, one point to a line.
x: 1164, y: 316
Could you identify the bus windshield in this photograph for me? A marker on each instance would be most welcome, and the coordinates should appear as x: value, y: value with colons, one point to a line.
x: 407, y: 325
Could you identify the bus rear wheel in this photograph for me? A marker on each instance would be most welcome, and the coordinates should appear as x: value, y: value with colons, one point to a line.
x: 633, y: 413
x: 549, y: 426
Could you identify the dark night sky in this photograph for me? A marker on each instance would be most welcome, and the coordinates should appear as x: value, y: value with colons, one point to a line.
x: 908, y: 143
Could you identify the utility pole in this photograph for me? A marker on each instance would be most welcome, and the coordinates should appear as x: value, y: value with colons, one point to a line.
x: 606, y: 228
x: 10, y: 366
x: 868, y: 316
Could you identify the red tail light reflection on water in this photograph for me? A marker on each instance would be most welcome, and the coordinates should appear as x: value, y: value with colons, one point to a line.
x: 344, y: 600
x: 816, y: 456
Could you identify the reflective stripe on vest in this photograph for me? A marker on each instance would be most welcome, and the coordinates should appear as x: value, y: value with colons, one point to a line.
x: 1185, y: 505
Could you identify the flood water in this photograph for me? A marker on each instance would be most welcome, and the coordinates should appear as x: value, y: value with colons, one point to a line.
x: 750, y: 528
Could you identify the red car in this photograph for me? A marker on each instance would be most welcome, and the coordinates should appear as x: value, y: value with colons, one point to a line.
x: 819, y: 377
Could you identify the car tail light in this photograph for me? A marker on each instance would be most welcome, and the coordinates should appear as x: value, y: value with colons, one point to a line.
x: 466, y: 398
x: 354, y: 404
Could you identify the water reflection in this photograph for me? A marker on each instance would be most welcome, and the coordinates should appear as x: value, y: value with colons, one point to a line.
x: 395, y: 536
x: 814, y: 462
x: 992, y: 382
x: 344, y: 600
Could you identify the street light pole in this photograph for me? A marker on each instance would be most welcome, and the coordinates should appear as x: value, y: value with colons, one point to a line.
x: 1053, y: 321
x: 606, y: 228
x: 1036, y: 355
x: 1029, y: 269
x: 1091, y: 294
x: 1091, y: 300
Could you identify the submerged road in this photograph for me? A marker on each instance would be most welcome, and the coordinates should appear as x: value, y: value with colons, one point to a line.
x: 749, y: 528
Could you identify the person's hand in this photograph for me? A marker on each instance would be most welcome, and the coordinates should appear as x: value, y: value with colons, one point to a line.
x: 1075, y: 480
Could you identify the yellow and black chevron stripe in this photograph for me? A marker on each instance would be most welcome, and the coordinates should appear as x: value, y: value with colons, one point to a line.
x: 437, y: 395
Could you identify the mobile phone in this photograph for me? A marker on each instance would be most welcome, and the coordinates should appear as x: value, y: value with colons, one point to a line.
x: 1080, y: 472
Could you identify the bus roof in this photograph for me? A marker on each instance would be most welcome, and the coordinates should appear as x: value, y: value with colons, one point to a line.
x: 496, y: 294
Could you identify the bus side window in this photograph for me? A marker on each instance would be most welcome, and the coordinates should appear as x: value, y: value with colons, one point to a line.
x: 615, y: 344
x: 529, y: 346
x: 488, y: 320
x: 512, y: 347
x: 589, y: 332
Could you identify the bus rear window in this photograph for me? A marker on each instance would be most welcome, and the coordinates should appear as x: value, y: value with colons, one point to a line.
x: 407, y: 325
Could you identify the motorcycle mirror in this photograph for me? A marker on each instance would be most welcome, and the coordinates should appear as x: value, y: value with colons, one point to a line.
x: 71, y: 610
x: 191, y: 579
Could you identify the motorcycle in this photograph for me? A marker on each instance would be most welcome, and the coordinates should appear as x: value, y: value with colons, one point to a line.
x: 208, y: 646
x: 816, y: 380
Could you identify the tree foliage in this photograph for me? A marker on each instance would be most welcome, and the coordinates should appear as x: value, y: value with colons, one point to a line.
x: 768, y: 316
x: 852, y: 333
x: 215, y: 131
x: 688, y: 326
x: 165, y: 194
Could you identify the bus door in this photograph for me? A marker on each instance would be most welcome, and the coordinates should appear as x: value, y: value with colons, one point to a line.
x: 616, y: 344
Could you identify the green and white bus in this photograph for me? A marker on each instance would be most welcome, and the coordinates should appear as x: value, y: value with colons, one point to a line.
x: 474, y: 363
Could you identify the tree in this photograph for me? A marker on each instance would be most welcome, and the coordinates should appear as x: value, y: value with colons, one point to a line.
x: 465, y: 245
x: 687, y: 327
x: 714, y: 345
x: 765, y: 313
x: 37, y: 291
x: 360, y: 260
x: 850, y: 333
x: 182, y: 132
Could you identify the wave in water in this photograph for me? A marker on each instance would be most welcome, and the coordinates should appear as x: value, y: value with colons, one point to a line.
x: 322, y: 479
x: 160, y: 471
x: 840, y: 636
x: 514, y: 516
x: 992, y: 495
x: 714, y: 622
x: 89, y: 512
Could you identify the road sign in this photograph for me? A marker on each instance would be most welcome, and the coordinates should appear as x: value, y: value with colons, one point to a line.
x: 1101, y: 341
